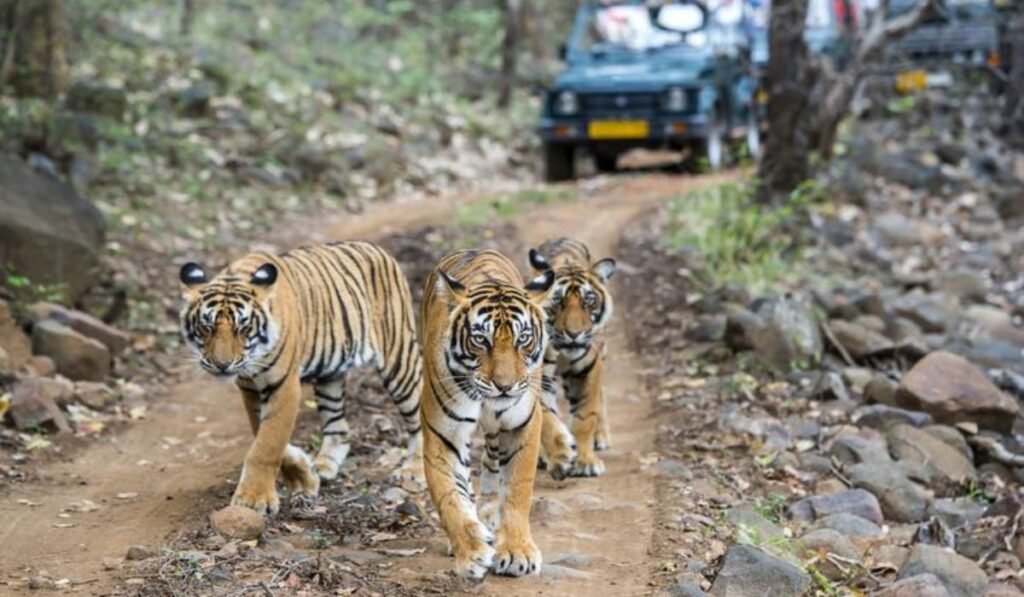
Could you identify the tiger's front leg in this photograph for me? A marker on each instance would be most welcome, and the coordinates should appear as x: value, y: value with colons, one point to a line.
x: 558, y: 444
x: 256, y: 489
x: 584, y: 390
x: 446, y: 464
x: 517, y: 452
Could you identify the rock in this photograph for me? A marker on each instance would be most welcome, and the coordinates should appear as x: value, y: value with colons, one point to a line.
x: 849, y: 525
x: 952, y: 437
x: 931, y: 313
x: 740, y: 328
x: 952, y: 390
x: 138, y: 552
x: 13, y: 340
x: 83, y: 323
x: 829, y: 387
x: 995, y: 323
x: 34, y: 404
x: 76, y: 356
x: 41, y: 366
x: 857, y: 378
x: 854, y: 449
x: 749, y: 571
x: 815, y: 463
x: 965, y: 285
x: 859, y: 341
x: 97, y: 98
x: 96, y: 396
x: 686, y: 588
x: 828, y: 541
x: 110, y: 563
x: 922, y: 585
x: 883, y: 417
x: 409, y: 508
x: 960, y: 576
x: 895, y: 230
x: 901, y: 499
x: 237, y: 522
x: 939, y: 459
x: 710, y: 328
x: 881, y: 390
x: 790, y: 334
x: 957, y: 512
x: 750, y: 522
x: 888, y: 556
x: 194, y: 100
x: 47, y: 232
x: 1001, y: 590
x: 857, y: 502
x: 548, y: 509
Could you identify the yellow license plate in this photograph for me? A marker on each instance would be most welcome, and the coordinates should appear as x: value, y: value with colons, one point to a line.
x: 618, y: 129
x: 909, y: 81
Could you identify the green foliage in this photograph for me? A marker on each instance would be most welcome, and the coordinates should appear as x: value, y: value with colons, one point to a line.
x: 25, y: 292
x: 738, y: 239
x: 772, y: 508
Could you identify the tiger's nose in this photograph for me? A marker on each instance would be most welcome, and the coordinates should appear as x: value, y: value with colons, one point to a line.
x: 502, y: 387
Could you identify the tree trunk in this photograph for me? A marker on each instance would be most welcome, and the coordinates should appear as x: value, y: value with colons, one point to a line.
x: 188, y: 16
x: 35, y: 41
x: 1014, y: 107
x: 509, y: 51
x: 787, y: 151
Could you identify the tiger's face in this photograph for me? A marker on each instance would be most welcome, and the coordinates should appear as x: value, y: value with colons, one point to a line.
x: 496, y: 336
x: 579, y: 305
x: 227, y: 322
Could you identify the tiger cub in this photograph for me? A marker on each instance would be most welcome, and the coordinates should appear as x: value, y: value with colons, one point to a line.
x: 484, y: 342
x: 275, y: 322
x: 578, y: 308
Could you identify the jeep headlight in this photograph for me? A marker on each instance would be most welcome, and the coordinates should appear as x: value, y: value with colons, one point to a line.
x: 675, y: 99
x: 566, y: 103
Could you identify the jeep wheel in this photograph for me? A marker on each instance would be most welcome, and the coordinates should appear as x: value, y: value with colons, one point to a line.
x: 606, y: 162
x: 559, y: 162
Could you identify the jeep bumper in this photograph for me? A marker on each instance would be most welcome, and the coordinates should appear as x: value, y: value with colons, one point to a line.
x: 661, y: 130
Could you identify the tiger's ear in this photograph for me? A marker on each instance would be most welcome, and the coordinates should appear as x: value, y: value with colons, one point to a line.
x: 538, y: 262
x: 604, y: 269
x: 192, y: 276
x: 265, y: 275
x: 449, y: 289
x: 539, y: 286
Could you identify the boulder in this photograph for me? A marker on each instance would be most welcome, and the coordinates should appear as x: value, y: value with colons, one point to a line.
x: 965, y: 285
x: 952, y: 437
x: 958, y: 512
x: 853, y: 449
x: 34, y: 404
x: 47, y: 232
x: 750, y: 571
x: 939, y: 459
x: 952, y: 390
x: 857, y: 502
x: 922, y: 585
x: 881, y: 390
x: 749, y: 521
x: 790, y: 334
x: 41, y: 366
x: 95, y: 395
x: 896, y: 230
x: 76, y: 356
x: 83, y: 323
x: 901, y: 499
x: 995, y: 323
x: 13, y: 340
x: 960, y: 576
x: 931, y: 313
x: 849, y: 525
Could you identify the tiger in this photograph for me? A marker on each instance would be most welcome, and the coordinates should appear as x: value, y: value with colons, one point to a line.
x: 483, y: 340
x: 274, y: 323
x: 577, y: 310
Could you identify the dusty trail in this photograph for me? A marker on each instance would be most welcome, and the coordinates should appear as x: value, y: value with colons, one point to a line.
x: 183, y: 458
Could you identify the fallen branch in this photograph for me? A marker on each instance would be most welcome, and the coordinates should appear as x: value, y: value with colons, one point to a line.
x: 996, y: 450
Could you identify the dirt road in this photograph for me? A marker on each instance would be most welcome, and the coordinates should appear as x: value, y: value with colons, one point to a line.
x: 162, y: 475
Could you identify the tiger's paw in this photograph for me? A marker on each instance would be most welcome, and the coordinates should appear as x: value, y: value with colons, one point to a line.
x: 517, y: 560
x: 329, y: 460
x: 298, y: 474
x: 601, y: 444
x: 259, y: 497
x: 475, y: 562
x: 587, y: 467
x: 561, y: 470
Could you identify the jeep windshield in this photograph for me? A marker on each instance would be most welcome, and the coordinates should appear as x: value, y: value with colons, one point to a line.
x: 628, y: 28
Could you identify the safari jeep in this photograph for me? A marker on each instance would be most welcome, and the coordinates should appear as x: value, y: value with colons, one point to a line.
x: 671, y: 76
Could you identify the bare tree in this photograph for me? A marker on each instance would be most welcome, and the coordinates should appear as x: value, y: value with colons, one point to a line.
x: 34, y: 55
x: 808, y: 99
x: 511, y: 15
x: 188, y: 17
x: 1014, y: 107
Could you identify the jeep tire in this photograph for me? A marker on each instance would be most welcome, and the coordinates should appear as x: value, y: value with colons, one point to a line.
x: 559, y: 162
x: 606, y: 162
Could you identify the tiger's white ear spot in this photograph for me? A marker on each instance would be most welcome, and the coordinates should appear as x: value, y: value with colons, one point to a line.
x: 604, y: 269
x: 265, y: 275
